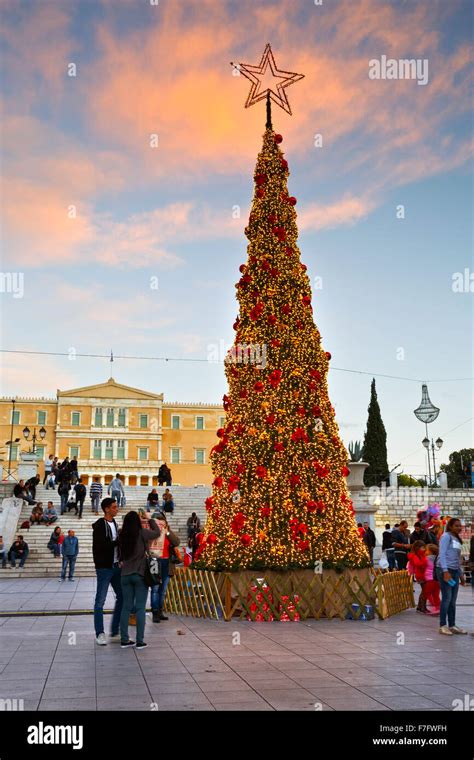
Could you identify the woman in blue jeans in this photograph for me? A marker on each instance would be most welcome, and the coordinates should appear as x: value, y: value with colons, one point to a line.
x: 133, y: 541
x: 450, y: 575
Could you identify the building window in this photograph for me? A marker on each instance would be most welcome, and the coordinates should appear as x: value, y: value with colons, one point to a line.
x: 73, y: 452
x: 175, y: 456
x: 41, y: 418
x: 199, y: 423
x: 40, y: 453
x: 121, y: 450
x: 221, y: 422
x: 98, y: 418
x: 109, y: 449
x: 75, y: 419
x: 97, y: 452
x: 13, y: 453
x: 110, y: 418
x: 121, y: 417
x: 200, y: 455
x: 15, y: 418
x: 143, y: 421
x: 143, y: 454
x: 175, y: 421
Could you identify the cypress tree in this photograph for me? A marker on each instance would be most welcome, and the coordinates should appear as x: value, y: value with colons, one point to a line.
x: 375, y: 443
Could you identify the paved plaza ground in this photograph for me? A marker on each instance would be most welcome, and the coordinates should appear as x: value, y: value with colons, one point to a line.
x: 53, y: 663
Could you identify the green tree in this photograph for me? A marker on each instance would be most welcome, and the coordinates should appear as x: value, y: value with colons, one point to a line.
x: 454, y: 468
x: 375, y: 443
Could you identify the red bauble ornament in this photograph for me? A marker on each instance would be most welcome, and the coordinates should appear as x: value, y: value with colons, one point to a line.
x: 301, y: 411
x: 278, y: 139
x: 306, y: 300
x: 272, y: 218
x: 226, y: 402
x: 243, y: 393
x: 275, y: 378
x: 261, y: 472
x: 311, y: 506
x: 260, y: 192
x: 303, y: 545
x: 260, y: 179
x: 315, y: 373
x: 217, y: 482
x: 277, y: 446
x: 292, y: 200
x: 242, y: 268
x: 245, y: 539
x: 240, y: 469
x: 304, y: 267
x: 274, y: 272
x: 295, y: 480
x: 328, y: 356
x: 265, y: 511
x: 289, y: 251
x: 270, y: 420
x: 271, y: 319
x: 345, y: 471
x: 286, y: 308
x: 212, y: 538
x: 220, y: 433
x: 265, y: 265
x: 258, y: 386
x: 284, y: 163
x: 275, y: 343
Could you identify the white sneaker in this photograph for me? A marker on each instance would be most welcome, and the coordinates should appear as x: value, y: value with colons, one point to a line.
x: 455, y: 629
x: 447, y: 631
x: 115, y: 637
x: 100, y: 640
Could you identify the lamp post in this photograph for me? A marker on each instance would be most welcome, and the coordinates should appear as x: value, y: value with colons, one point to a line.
x: 26, y: 434
x: 9, y: 472
x: 427, y: 412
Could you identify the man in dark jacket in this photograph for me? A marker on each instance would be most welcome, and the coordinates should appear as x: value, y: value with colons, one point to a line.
x: 81, y: 493
x: 164, y: 475
x: 106, y: 560
x: 19, y: 549
x: 401, y: 544
x: 369, y: 541
x: 387, y: 547
x: 421, y: 534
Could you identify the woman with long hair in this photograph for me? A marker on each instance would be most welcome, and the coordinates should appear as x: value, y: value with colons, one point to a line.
x: 133, y: 542
x: 450, y: 575
x: 54, y: 543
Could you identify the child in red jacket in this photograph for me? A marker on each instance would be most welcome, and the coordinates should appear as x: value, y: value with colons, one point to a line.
x: 417, y: 563
x: 431, y: 587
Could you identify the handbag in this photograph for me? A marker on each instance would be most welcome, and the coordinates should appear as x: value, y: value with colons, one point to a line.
x: 383, y: 562
x: 175, y: 555
x: 152, y: 575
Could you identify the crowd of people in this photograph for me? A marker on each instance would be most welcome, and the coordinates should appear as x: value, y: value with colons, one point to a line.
x: 433, y: 555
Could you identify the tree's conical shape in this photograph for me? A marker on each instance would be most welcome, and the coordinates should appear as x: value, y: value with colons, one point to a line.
x: 280, y: 499
x: 375, y: 443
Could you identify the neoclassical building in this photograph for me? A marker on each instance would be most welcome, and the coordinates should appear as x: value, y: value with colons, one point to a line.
x: 114, y: 428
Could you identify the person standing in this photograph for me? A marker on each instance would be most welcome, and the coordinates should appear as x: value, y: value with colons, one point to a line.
x: 370, y: 541
x: 164, y: 475
x: 401, y: 544
x: 193, y: 524
x: 115, y: 490
x: 105, y: 552
x: 450, y: 575
x: 70, y: 550
x: 74, y: 470
x: 387, y: 547
x: 81, y: 493
x: 48, y: 466
x: 63, y: 491
x: 133, y: 548
x: 95, y: 493
x: 162, y: 548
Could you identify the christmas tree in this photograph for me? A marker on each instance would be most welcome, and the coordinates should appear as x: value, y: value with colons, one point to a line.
x: 279, y: 499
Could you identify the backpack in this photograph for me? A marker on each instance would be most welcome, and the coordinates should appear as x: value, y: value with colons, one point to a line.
x: 25, y: 525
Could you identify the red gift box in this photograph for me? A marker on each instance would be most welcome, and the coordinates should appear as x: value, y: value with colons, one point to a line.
x: 286, y: 607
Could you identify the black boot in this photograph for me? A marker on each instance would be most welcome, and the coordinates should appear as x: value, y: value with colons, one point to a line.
x: 156, y: 616
x: 160, y: 612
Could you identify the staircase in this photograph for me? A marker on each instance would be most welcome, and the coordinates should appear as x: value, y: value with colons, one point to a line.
x: 41, y: 562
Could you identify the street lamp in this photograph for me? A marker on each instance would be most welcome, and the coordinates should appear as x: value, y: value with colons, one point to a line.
x: 26, y: 434
x: 9, y: 473
x: 427, y: 412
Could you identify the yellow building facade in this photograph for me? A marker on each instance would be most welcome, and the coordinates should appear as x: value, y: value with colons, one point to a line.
x: 113, y: 428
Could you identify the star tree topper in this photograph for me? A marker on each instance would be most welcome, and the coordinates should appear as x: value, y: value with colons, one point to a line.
x: 276, y: 80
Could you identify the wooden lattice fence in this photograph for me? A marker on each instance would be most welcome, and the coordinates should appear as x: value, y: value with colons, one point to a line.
x: 293, y: 595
